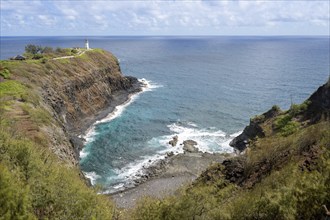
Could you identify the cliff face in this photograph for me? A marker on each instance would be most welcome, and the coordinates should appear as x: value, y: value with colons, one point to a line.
x: 253, y: 130
x: 319, y: 104
x: 44, y: 104
x: 75, y: 92
x: 315, y: 108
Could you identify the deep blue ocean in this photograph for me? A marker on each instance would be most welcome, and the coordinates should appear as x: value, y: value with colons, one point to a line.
x: 200, y: 88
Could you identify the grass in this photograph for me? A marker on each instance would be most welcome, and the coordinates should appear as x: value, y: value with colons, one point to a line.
x: 278, y: 183
x: 36, y: 183
x: 12, y: 88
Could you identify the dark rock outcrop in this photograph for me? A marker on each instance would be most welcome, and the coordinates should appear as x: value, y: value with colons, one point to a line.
x: 319, y: 104
x: 174, y: 141
x: 233, y: 169
x: 253, y: 130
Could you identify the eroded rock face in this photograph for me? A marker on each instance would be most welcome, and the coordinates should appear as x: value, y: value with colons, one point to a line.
x: 233, y: 170
x: 80, y: 91
x: 253, y: 130
x: 319, y: 104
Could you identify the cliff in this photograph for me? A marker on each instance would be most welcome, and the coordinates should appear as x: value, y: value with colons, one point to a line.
x: 74, y: 92
x: 314, y: 109
x: 44, y: 105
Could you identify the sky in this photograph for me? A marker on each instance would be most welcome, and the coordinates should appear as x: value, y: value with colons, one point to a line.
x: 166, y: 17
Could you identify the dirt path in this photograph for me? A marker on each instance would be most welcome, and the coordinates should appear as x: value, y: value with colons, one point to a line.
x: 67, y: 57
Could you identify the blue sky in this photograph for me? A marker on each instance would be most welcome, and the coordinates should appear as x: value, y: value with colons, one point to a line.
x: 175, y: 17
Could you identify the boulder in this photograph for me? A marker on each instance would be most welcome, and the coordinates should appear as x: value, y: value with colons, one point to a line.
x: 189, y: 146
x: 174, y: 141
x: 169, y: 154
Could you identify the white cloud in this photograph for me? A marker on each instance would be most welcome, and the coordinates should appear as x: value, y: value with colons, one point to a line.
x: 137, y: 17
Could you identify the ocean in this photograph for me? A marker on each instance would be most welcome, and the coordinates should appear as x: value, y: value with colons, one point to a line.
x: 200, y: 88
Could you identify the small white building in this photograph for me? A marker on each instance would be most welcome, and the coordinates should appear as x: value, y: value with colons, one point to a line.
x: 86, y: 45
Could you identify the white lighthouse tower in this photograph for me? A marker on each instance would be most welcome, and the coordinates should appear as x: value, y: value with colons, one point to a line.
x: 86, y: 45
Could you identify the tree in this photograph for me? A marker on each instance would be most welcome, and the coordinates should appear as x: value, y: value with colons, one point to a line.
x: 47, y: 50
x: 33, y: 49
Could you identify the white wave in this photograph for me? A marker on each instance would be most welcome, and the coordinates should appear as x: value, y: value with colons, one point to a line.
x: 132, y: 171
x: 236, y: 134
x: 83, y: 153
x: 117, y: 112
x: 92, y: 176
x: 149, y: 85
x: 209, y: 140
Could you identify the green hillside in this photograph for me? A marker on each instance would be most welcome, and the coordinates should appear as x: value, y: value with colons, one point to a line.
x: 284, y: 173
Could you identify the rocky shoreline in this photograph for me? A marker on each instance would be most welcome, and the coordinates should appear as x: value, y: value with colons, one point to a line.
x: 164, y: 177
x: 118, y: 98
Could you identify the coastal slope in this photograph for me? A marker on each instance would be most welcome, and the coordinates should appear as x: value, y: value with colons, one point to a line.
x: 282, y: 171
x: 73, y: 93
x: 44, y: 105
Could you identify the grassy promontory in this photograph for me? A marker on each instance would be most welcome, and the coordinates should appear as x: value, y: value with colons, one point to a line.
x: 44, y: 104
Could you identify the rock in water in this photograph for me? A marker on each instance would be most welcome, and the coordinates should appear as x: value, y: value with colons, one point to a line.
x: 189, y: 146
x: 174, y: 141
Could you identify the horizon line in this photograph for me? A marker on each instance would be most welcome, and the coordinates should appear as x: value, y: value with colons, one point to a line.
x: 279, y: 35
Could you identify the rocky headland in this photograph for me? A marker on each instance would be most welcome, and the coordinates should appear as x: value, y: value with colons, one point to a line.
x: 76, y: 92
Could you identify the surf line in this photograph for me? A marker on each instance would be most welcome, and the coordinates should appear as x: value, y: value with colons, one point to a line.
x: 89, y: 135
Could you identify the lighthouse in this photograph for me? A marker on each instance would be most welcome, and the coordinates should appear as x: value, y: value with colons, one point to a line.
x: 86, y: 45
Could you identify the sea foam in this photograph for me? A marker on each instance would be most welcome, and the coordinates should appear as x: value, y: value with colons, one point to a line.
x: 209, y: 140
x: 90, y: 134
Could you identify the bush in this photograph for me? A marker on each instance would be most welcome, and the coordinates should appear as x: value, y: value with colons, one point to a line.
x: 281, y: 121
x: 298, y: 109
x: 74, y: 51
x: 289, y: 128
x: 47, y: 50
x: 5, y: 73
x: 32, y: 49
x: 44, y: 60
x: 37, y: 56
x: 39, y: 187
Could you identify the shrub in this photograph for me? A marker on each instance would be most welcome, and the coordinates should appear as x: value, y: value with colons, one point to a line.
x: 298, y: 109
x: 258, y: 118
x: 289, y: 128
x: 33, y: 49
x: 37, y: 56
x: 281, y: 121
x: 5, y: 73
x: 44, y: 60
x: 47, y: 50
x: 276, y: 108
x: 74, y: 51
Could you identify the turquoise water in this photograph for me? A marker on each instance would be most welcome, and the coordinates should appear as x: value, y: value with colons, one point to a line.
x: 200, y: 88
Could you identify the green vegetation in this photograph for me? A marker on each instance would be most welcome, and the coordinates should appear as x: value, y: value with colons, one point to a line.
x: 45, y: 53
x: 277, y: 183
x: 284, y: 175
x: 34, y: 182
x: 4, y: 73
x: 11, y: 88
x: 34, y: 185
